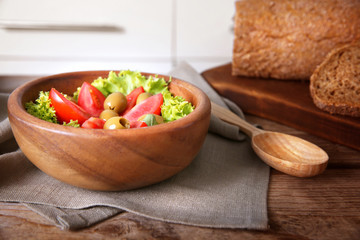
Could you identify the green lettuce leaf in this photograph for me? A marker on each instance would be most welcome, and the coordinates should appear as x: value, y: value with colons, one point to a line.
x: 175, y: 107
x: 155, y: 85
x: 72, y: 123
x: 76, y: 94
x: 42, y: 108
x: 124, y: 82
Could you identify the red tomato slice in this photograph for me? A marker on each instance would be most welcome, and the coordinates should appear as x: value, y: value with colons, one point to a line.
x: 91, y: 99
x: 137, y: 124
x: 150, y: 105
x: 94, y: 122
x: 131, y: 99
x: 67, y: 110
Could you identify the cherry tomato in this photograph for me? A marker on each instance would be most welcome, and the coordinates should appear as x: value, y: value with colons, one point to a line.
x: 91, y: 99
x: 93, y: 122
x: 137, y: 124
x: 131, y: 99
x: 150, y: 105
x: 65, y: 109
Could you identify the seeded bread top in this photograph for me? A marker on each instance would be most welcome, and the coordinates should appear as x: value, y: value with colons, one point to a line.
x: 335, y: 84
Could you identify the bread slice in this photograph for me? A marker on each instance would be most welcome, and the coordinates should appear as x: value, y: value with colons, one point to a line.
x: 335, y: 83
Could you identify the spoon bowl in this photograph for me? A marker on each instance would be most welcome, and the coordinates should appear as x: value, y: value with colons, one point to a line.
x: 290, y: 154
x: 286, y: 153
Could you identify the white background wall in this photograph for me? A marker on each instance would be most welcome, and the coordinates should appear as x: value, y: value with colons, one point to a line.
x: 149, y: 36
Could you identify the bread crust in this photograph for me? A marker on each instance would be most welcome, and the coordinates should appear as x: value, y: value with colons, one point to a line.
x: 336, y: 74
x: 287, y: 39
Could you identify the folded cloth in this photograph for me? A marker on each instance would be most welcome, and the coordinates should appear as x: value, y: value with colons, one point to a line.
x: 224, y: 187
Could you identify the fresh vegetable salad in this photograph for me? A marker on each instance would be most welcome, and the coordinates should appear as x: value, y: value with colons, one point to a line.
x: 123, y: 100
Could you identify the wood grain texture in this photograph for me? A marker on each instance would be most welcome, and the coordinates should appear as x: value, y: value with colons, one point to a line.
x: 323, y: 207
x: 287, y: 102
x: 107, y: 160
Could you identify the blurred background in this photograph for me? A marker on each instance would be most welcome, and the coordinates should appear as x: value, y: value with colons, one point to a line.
x: 41, y: 37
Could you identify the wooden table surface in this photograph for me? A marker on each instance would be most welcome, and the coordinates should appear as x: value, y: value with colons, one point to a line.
x: 323, y: 207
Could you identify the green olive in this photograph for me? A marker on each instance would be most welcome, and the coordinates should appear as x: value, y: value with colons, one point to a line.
x: 142, y: 97
x: 106, y: 114
x: 117, y: 123
x: 115, y: 101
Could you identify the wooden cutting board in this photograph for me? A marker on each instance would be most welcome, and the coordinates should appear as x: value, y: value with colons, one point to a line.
x: 284, y: 101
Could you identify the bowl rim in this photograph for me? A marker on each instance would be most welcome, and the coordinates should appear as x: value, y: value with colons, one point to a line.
x: 17, y: 110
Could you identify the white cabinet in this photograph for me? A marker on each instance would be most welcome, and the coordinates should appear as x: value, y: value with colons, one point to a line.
x: 136, y: 32
x: 41, y: 37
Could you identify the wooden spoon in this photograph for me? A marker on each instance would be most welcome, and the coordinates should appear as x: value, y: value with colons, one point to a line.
x: 286, y: 153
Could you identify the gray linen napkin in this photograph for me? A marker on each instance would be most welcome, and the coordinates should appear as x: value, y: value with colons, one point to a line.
x: 224, y: 187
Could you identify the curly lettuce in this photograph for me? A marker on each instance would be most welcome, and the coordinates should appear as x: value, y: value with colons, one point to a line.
x: 72, y: 123
x: 42, y: 108
x: 174, y: 107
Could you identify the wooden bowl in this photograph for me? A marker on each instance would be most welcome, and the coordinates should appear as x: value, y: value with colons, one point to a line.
x: 108, y: 160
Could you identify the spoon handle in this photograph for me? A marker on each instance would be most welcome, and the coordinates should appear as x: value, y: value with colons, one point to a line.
x: 230, y: 117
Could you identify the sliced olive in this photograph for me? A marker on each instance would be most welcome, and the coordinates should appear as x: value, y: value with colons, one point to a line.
x: 117, y: 123
x: 151, y: 119
x: 142, y: 97
x: 115, y: 101
x: 106, y: 114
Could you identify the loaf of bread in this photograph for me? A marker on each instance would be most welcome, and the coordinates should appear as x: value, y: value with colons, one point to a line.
x: 335, y: 84
x: 287, y: 39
